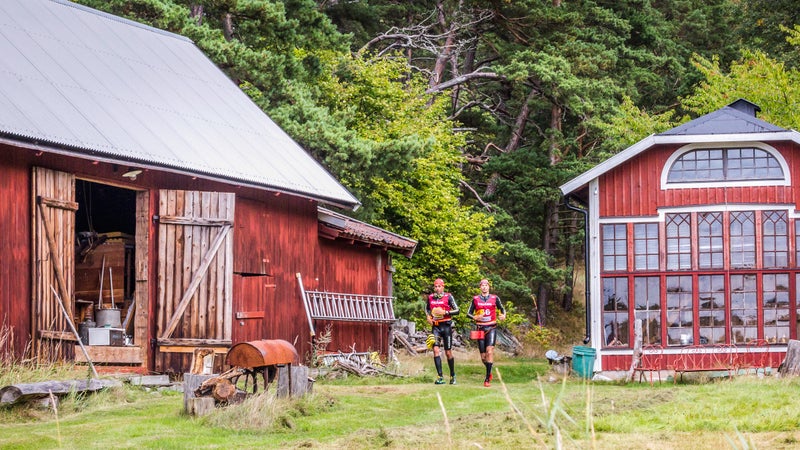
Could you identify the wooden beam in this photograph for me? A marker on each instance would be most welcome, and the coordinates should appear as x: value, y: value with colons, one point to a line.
x: 185, y: 349
x: 198, y: 221
x: 249, y: 315
x: 108, y: 354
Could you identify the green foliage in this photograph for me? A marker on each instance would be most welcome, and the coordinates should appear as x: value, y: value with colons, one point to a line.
x: 542, y: 337
x: 629, y: 125
x: 405, y: 146
x: 755, y: 77
x: 763, y: 25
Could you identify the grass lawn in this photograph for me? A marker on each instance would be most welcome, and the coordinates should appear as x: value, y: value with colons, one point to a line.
x: 526, y: 407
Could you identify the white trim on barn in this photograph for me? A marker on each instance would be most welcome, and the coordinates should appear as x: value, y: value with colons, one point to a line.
x: 652, y: 140
x: 787, y: 176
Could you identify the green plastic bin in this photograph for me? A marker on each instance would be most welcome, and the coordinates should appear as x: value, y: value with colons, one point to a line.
x: 583, y: 361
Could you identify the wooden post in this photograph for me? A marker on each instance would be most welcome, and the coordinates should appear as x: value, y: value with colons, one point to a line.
x: 292, y: 381
x: 190, y: 383
x: 636, y: 360
x: 791, y: 364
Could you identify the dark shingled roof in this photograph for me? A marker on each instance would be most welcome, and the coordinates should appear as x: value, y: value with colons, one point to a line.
x: 333, y: 225
x: 738, y: 117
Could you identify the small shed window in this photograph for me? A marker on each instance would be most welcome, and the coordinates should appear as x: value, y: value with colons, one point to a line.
x: 725, y: 165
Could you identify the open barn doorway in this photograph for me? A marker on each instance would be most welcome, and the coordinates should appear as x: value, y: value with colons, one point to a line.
x: 105, y: 261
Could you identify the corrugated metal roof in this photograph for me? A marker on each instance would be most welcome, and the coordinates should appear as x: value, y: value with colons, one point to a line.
x: 336, y: 225
x: 101, y: 85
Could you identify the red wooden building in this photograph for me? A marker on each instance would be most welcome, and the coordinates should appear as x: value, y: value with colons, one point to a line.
x: 694, y: 232
x: 138, y: 180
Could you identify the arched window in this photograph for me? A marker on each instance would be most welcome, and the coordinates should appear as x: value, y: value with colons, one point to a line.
x: 705, y: 165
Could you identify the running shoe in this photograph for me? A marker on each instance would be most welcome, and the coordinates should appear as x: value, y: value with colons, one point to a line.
x: 453, y: 379
x: 487, y: 384
x: 439, y: 380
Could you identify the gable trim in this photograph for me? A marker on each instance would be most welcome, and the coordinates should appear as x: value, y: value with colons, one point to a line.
x: 786, y: 181
x: 652, y: 140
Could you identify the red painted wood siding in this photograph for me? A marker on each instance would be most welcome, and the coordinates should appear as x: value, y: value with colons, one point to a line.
x: 287, y: 228
x: 15, y: 271
x: 746, y: 360
x: 634, y: 187
x: 281, y: 228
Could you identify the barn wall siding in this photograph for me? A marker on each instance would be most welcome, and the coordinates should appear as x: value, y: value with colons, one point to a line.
x: 275, y: 237
x: 15, y: 275
x: 634, y: 188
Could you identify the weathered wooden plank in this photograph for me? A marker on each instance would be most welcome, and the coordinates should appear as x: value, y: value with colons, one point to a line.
x: 191, y: 345
x: 109, y: 354
x: 196, y: 280
x: 141, y: 292
x: 191, y: 382
x: 26, y: 391
x: 53, y: 235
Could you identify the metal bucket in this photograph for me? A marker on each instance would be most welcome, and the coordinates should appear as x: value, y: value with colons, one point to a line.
x: 476, y: 334
x: 108, y: 318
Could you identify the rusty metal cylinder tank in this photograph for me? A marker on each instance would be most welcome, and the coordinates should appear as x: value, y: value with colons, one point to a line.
x: 266, y: 352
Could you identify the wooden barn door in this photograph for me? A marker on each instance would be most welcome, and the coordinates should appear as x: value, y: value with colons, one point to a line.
x: 195, y: 275
x: 252, y: 294
x: 54, y: 262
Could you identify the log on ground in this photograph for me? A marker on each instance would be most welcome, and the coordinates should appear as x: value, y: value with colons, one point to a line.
x: 29, y: 391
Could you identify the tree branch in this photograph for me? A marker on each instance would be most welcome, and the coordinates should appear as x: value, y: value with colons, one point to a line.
x: 463, y: 79
x: 487, y: 206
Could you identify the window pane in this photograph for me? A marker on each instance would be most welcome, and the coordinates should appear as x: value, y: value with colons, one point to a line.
x: 711, y: 308
x: 776, y: 307
x: 743, y: 239
x: 731, y: 164
x: 679, y: 243
x: 775, y: 239
x: 679, y: 310
x: 744, y: 309
x: 615, y: 311
x: 709, y: 240
x: 647, y: 300
x: 615, y: 247
x: 645, y: 246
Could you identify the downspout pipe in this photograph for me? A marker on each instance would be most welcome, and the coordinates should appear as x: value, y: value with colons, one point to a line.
x: 587, y: 290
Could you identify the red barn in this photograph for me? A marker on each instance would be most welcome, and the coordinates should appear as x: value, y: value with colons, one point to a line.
x: 693, y: 233
x: 145, y: 192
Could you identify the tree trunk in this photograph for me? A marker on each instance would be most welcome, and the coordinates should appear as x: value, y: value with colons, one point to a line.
x: 636, y: 360
x: 549, y: 235
x: 556, y: 125
x: 443, y: 57
x: 196, y: 13
x: 516, y: 137
x: 227, y: 26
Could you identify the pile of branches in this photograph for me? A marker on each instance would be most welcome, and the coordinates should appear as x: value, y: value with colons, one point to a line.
x: 358, y: 364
